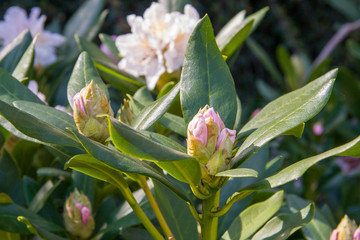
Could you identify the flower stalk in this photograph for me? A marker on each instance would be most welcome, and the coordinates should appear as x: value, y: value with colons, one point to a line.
x: 155, y: 207
x: 209, y: 222
x: 120, y: 182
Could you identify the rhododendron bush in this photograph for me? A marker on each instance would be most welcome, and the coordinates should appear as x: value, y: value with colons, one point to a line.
x: 150, y: 142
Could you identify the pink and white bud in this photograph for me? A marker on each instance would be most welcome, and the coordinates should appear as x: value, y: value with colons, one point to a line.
x: 225, y: 133
x: 197, y: 127
x: 357, y: 234
x: 211, y: 114
x: 79, y: 221
x: 85, y: 215
x: 78, y: 101
x: 334, y: 234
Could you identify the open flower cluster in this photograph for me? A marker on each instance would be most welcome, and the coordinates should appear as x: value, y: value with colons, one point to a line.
x: 88, y: 103
x: 16, y: 20
x: 79, y: 221
x: 209, y: 141
x: 157, y: 42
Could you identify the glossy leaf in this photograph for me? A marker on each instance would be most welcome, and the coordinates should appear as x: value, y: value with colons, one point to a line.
x: 11, y: 90
x: 253, y: 217
x: 110, y: 44
x: 84, y: 72
x: 296, y: 170
x: 35, y: 127
x: 282, y: 226
x: 173, y: 123
x: 11, y: 54
x: 23, y: 67
x: 319, y: 228
x: 283, y: 114
x: 122, y: 162
x: 10, y: 178
x: 133, y: 143
x: 206, y: 78
x: 107, y: 68
x: 42, y: 196
x: 47, y: 114
x: 154, y: 111
x: 9, y: 222
x: 176, y: 213
x: 39, y: 231
x: 238, y: 172
x: 83, y: 19
x: 234, y: 33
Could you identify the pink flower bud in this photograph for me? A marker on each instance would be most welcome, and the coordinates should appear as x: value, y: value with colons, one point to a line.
x: 334, y: 234
x: 224, y: 134
x: 85, y: 215
x: 79, y: 205
x: 318, y: 129
x: 79, y: 102
x: 197, y: 127
x: 210, y: 113
x: 357, y: 234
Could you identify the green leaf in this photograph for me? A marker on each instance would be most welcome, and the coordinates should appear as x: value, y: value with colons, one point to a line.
x: 10, y: 179
x: 253, y: 217
x: 11, y: 54
x: 85, y: 184
x: 348, y: 8
x: 176, y: 213
x: 110, y: 44
x: 154, y: 111
x: 84, y: 72
x: 83, y: 19
x: 238, y: 172
x: 173, y: 123
x: 174, y: 5
x: 124, y: 82
x: 206, y: 78
x: 283, y: 114
x: 9, y: 236
x: 296, y: 131
x: 53, y: 172
x: 42, y: 196
x: 39, y: 231
x: 47, y: 114
x: 95, y: 28
x: 234, y: 33
x: 23, y: 67
x: 9, y: 222
x: 319, y: 228
x: 266, y: 61
x: 238, y: 114
x: 282, y: 226
x: 296, y: 170
x: 122, y: 162
x: 35, y: 127
x: 284, y: 59
x: 133, y: 143
x: 11, y: 90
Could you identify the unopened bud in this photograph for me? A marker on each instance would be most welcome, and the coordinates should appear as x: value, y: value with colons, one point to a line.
x: 345, y: 230
x: 88, y: 103
x: 126, y: 114
x: 79, y: 221
x: 357, y: 234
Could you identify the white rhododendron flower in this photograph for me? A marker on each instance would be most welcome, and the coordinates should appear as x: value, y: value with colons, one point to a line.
x: 157, y: 42
x: 16, y: 20
x: 34, y: 87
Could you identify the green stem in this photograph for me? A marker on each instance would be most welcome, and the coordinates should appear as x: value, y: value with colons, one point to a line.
x: 209, y: 222
x: 155, y: 207
x: 120, y: 182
